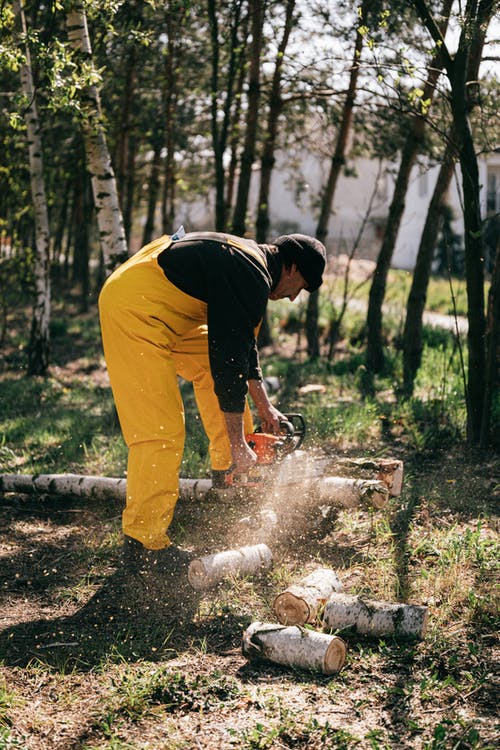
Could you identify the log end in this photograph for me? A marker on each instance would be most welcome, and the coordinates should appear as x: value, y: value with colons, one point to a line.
x: 335, y: 656
x: 197, y: 575
x: 290, y: 610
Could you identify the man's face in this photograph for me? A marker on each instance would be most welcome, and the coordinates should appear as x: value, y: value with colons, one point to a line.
x: 290, y: 284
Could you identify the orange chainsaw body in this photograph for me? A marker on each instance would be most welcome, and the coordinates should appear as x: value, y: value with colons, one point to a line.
x: 270, y: 449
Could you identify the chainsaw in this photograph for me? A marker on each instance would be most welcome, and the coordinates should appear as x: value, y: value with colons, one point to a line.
x: 270, y: 450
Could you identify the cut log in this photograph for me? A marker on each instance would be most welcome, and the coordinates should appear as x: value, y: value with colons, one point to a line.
x: 370, y: 617
x: 389, y: 471
x: 205, y: 572
x: 299, y: 603
x: 293, y: 646
x: 76, y: 485
x: 352, y: 492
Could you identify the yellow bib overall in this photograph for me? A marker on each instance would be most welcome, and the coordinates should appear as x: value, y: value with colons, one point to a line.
x: 152, y: 332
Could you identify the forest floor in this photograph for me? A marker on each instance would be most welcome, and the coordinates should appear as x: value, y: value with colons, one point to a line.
x: 87, y: 663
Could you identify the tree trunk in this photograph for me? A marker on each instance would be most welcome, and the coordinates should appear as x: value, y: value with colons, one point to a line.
x: 275, y: 109
x: 412, y: 335
x: 490, y: 428
x: 294, y: 647
x: 299, y: 603
x: 257, y: 11
x: 174, y: 23
x: 312, y: 318
x: 375, y: 346
x: 153, y: 189
x: 206, y: 572
x: 370, y: 617
x: 109, y: 216
x: 38, y: 348
x: 220, y: 131
x: 475, y: 21
x: 336, y: 164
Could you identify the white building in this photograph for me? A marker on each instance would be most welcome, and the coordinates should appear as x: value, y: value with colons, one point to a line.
x: 361, y: 204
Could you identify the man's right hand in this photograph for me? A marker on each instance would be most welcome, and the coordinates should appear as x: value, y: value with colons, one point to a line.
x: 242, y: 455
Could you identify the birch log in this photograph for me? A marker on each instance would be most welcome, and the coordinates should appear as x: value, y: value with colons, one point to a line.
x: 352, y: 492
x: 390, y: 472
x: 293, y: 646
x: 89, y: 487
x: 300, y: 602
x: 205, y: 572
x: 375, y: 618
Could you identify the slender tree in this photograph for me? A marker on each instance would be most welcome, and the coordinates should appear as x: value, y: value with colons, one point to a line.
x: 375, y: 347
x: 336, y: 164
x: 221, y: 126
x: 108, y: 212
x: 257, y: 15
x: 475, y: 19
x: 38, y: 349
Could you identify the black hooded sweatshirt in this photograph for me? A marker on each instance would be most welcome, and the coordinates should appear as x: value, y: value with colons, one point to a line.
x: 234, y: 276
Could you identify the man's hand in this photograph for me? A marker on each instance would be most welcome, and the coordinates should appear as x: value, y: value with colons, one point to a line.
x: 243, y: 456
x: 270, y: 416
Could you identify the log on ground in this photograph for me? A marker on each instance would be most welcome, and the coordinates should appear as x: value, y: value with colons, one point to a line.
x: 207, y: 571
x: 349, y: 493
x: 299, y: 603
x: 371, y: 617
x: 89, y: 487
x: 293, y: 646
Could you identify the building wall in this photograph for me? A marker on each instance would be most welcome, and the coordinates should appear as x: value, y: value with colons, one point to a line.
x: 294, y: 204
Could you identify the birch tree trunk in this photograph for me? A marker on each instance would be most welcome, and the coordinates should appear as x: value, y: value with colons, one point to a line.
x: 108, y: 212
x: 374, y: 347
x: 38, y: 349
x: 257, y: 13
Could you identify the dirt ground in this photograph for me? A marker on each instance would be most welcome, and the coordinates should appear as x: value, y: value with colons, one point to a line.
x: 87, y: 663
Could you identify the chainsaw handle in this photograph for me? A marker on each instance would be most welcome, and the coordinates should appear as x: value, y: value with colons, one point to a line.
x: 298, y: 425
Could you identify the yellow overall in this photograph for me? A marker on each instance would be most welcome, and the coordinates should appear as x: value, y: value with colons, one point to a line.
x: 152, y: 332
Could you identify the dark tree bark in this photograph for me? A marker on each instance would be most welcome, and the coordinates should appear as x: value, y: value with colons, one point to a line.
x: 412, y: 336
x: 475, y: 20
x: 257, y: 16
x: 490, y: 428
x: 275, y: 109
x: 336, y: 164
x: 375, y: 344
x: 220, y: 130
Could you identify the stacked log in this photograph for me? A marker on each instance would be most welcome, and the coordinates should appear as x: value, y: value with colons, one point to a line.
x: 300, y: 603
x: 206, y: 572
x: 293, y: 646
x: 370, y: 617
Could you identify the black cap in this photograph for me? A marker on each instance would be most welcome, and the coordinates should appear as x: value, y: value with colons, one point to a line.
x: 308, y: 254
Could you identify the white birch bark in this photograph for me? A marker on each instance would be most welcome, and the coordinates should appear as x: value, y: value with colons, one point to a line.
x: 104, y: 188
x: 205, y: 572
x: 300, y: 603
x: 375, y: 618
x: 293, y: 646
x: 76, y: 485
x: 40, y: 336
x: 352, y: 492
